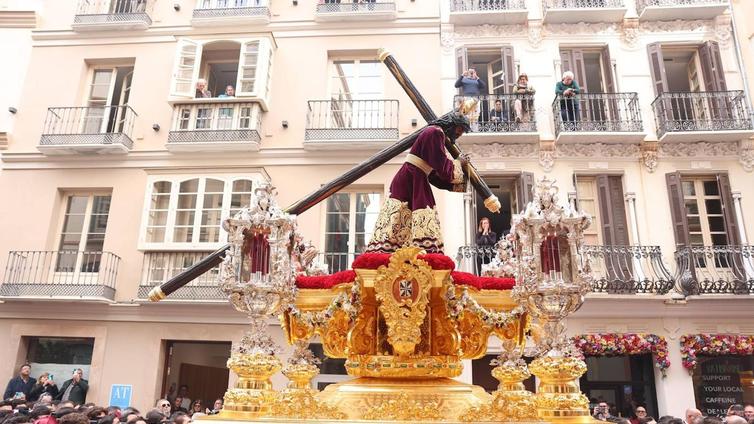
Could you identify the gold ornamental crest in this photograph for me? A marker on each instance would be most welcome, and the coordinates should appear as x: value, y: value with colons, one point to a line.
x: 402, y: 289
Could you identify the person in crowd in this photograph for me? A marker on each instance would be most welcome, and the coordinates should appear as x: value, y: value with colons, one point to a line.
x: 183, y: 393
x: 710, y: 420
x: 18, y: 419
x: 736, y: 409
x: 639, y: 413
x: 485, y: 237
x: 47, y: 399
x: 42, y: 414
x: 216, y: 408
x: 523, y: 105
x: 176, y: 407
x: 155, y: 416
x: 498, y: 115
x: 163, y: 405
x: 665, y: 419
x: 567, y: 90
x: 180, y: 418
x: 19, y: 387
x: 196, y: 407
x: 201, y: 89
x: 44, y: 385
x: 735, y: 419
x: 674, y: 420
x: 114, y: 410
x: 647, y: 420
x: 108, y: 419
x: 6, y: 405
x: 229, y: 92
x: 130, y: 413
x: 74, y: 418
x: 601, y: 411
x: 692, y: 414
x: 75, y: 389
x: 66, y: 404
x: 95, y: 413
x: 749, y: 412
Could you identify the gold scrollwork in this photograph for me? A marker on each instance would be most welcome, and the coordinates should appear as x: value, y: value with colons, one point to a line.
x: 474, y: 335
x: 402, y: 408
x: 335, y: 334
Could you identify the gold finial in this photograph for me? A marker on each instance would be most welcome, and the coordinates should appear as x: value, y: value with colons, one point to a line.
x: 383, y: 54
x: 492, y: 204
x: 156, y: 294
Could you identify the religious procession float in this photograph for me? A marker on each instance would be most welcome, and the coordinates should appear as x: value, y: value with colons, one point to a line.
x: 403, y: 318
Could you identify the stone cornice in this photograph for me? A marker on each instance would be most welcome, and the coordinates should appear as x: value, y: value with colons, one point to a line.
x: 18, y: 19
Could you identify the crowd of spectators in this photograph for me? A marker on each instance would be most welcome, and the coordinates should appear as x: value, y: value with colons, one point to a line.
x: 736, y: 414
x: 39, y: 401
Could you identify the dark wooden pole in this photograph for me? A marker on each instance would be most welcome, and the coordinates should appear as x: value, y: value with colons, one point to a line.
x: 491, y: 201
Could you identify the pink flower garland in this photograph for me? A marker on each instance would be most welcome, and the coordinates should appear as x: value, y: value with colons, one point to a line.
x: 615, y: 344
x: 713, y: 344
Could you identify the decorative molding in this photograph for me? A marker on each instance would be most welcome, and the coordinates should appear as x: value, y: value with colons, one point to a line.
x: 700, y: 149
x: 593, y: 150
x: 447, y: 41
x: 631, y: 32
x: 649, y: 156
x: 547, y: 155
x: 598, y: 28
x: 534, y: 29
x: 3, y: 141
x: 497, y: 151
x: 18, y: 19
x: 488, y: 30
x: 746, y: 154
x: 724, y: 30
x: 679, y: 25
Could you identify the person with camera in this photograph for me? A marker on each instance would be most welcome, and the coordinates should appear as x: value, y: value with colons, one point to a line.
x: 472, y: 88
x: 19, y: 387
x: 602, y: 412
x: 75, y: 389
x: 44, y: 385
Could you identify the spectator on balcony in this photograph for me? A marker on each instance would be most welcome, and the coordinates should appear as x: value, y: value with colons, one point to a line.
x: 522, y: 106
x: 74, y: 390
x: 201, y: 89
x: 485, y: 237
x: 470, y: 84
x: 229, y: 92
x: 19, y: 387
x: 44, y: 385
x: 498, y: 115
x: 567, y: 91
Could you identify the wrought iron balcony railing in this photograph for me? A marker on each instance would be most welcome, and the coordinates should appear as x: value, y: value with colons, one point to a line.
x: 116, y: 13
x: 597, y: 112
x: 715, y: 270
x: 497, y: 113
x: 354, y: 6
x: 678, y: 112
x: 231, y: 9
x: 159, y: 267
x: 583, y: 4
x: 96, y: 125
x: 641, y: 4
x: 336, y: 261
x: 351, y: 120
x: 215, y: 123
x: 60, y: 274
x: 471, y: 258
x: 486, y: 5
x: 628, y: 269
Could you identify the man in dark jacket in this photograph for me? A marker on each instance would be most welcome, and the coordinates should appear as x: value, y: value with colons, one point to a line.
x: 75, y: 389
x: 20, y: 384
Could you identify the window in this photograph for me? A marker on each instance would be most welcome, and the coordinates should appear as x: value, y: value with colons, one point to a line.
x: 59, y: 356
x: 602, y: 197
x: 244, y: 64
x: 704, y: 212
x: 186, y: 212
x: 586, y: 189
x: 495, y: 66
x: 622, y: 382
x: 108, y: 93
x: 592, y: 68
x: 349, y: 222
x: 217, y: 117
x: 83, y: 232
x: 356, y: 94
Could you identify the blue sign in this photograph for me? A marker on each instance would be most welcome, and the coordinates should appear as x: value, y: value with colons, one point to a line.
x: 120, y: 395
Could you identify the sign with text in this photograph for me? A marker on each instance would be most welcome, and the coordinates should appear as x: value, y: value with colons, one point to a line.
x: 717, y: 384
x: 120, y: 395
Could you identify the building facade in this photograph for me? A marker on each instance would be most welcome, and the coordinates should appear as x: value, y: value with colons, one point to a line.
x: 126, y: 158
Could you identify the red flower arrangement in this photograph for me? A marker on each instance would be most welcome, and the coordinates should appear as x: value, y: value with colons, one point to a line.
x: 486, y: 283
x: 376, y: 260
x: 325, y: 281
x: 614, y: 344
x: 713, y: 345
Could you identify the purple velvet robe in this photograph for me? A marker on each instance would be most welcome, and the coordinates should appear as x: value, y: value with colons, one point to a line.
x: 410, y: 184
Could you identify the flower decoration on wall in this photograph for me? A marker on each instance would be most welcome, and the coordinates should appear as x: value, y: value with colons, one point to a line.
x: 616, y: 344
x: 713, y: 345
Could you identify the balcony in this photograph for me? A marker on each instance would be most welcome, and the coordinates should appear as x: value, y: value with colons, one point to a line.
x: 159, y: 267
x: 495, y: 12
x: 704, y: 270
x: 116, y: 15
x: 231, y: 12
x: 61, y: 275
x: 218, y: 125
x: 351, y: 124
x: 575, y: 11
x: 356, y: 10
x: 514, y: 121
x: 598, y: 117
x: 670, y: 10
x: 471, y: 258
x: 87, y: 130
x: 628, y: 270
x: 702, y: 116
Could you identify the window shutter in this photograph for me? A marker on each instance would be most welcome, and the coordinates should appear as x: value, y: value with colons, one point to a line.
x: 729, y: 210
x: 677, y: 208
x: 566, y: 62
x: 249, y: 64
x: 712, y: 67
x: 186, y: 68
x: 657, y: 68
x: 509, y: 68
x: 579, y: 69
x: 525, y: 187
x: 461, y: 61
x: 612, y: 209
x: 607, y: 66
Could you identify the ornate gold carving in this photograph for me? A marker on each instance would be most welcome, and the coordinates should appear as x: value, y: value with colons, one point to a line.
x: 402, y: 289
x: 335, y: 334
x: 558, y: 394
x: 511, y: 401
x: 391, y: 366
x: 474, y: 335
x: 404, y: 409
x: 361, y: 338
x: 299, y: 400
x: 253, y: 394
x: 445, y: 338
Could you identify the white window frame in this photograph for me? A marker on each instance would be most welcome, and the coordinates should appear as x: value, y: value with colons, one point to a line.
x: 261, y: 73
x: 596, y: 227
x: 351, y: 191
x: 195, y: 245
x: 215, y: 107
x: 701, y: 205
